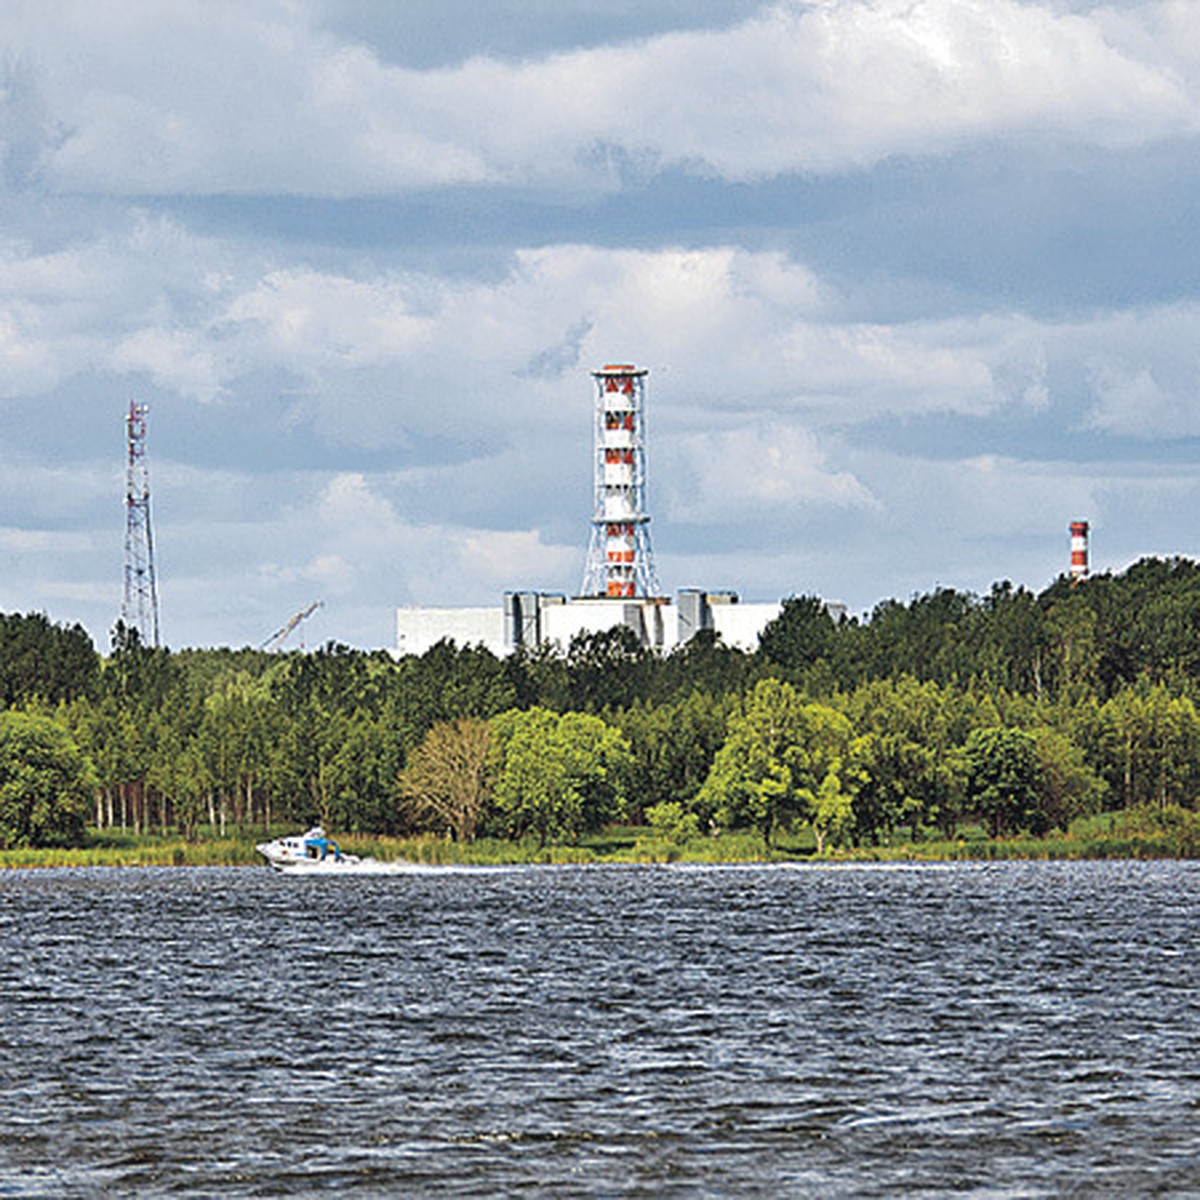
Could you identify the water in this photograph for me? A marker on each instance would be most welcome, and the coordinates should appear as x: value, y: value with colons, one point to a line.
x: 1012, y: 1030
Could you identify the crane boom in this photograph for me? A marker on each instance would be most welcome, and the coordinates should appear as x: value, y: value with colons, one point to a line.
x: 280, y: 635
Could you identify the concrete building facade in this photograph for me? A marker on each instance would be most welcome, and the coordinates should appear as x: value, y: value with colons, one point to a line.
x: 531, y: 619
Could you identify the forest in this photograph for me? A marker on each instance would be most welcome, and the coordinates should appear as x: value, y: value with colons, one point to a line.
x: 1015, y: 712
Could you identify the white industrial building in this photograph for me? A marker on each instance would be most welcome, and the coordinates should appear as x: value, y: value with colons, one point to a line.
x: 531, y: 619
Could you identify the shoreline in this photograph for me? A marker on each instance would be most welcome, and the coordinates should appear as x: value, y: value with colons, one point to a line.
x: 1137, y: 850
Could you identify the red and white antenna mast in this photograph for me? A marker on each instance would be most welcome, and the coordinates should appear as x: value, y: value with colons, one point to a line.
x: 620, y: 561
x: 139, y: 608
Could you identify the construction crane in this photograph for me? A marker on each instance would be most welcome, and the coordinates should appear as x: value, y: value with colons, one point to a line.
x: 280, y: 635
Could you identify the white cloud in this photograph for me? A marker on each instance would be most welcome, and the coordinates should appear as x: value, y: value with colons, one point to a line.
x: 43, y: 541
x: 347, y: 503
x: 380, y: 357
x: 963, y: 522
x: 52, y: 490
x: 309, y: 317
x: 333, y: 537
x: 1143, y: 369
x: 146, y: 98
x: 26, y: 363
x: 860, y: 369
x: 725, y: 478
x: 327, y: 571
x: 499, y: 557
x: 991, y: 496
x: 172, y: 359
x: 1129, y: 401
x: 126, y: 299
x: 362, y: 537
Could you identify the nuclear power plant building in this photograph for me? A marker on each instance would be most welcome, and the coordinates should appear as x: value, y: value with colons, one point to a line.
x: 620, y: 585
x: 529, y: 619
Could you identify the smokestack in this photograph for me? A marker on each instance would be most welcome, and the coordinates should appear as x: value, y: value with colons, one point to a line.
x: 1079, y: 552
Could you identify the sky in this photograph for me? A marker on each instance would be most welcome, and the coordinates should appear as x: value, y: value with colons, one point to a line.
x: 917, y: 283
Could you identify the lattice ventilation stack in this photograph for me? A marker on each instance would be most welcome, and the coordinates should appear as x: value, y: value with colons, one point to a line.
x: 620, y: 561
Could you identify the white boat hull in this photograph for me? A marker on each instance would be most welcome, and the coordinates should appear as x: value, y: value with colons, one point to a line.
x: 347, y: 865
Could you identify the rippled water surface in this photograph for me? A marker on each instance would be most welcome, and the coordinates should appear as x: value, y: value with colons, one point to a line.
x: 1002, y: 1030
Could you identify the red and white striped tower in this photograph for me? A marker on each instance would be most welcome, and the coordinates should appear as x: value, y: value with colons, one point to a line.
x: 620, y: 561
x: 1079, y: 551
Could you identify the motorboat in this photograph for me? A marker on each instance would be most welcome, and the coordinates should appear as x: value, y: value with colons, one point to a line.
x: 315, y: 853
x: 305, y: 852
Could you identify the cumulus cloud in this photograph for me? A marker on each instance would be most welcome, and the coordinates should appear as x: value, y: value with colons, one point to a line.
x: 1143, y: 371
x: 729, y: 477
x: 310, y: 317
x: 50, y: 491
x: 378, y: 357
x: 128, y: 299
x: 961, y: 522
x: 362, y: 538
x: 1130, y: 400
x: 277, y: 544
x: 42, y: 541
x: 172, y: 359
x: 988, y: 497
x: 260, y: 98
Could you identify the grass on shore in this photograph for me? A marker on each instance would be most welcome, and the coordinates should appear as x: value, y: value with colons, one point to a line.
x: 1170, y: 832
x: 117, y: 848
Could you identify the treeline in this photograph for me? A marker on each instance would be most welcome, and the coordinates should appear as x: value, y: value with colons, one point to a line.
x: 1015, y: 710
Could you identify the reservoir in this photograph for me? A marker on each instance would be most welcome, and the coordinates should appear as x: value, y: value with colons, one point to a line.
x: 1000, y: 1030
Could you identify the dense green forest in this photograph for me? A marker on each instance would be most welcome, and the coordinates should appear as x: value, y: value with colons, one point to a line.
x: 1015, y: 711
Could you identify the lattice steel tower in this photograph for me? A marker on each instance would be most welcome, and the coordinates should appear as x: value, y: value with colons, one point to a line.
x: 139, y: 608
x: 620, y: 561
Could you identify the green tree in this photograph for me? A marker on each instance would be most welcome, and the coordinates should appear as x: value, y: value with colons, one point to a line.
x: 933, y: 637
x: 800, y: 636
x: 558, y: 776
x: 44, y: 661
x: 1004, y: 780
x: 1071, y: 632
x: 361, y: 784
x: 672, y: 822
x: 1067, y: 785
x: 757, y: 777
x: 706, y: 665
x: 239, y: 725
x: 608, y: 669
x: 673, y: 747
x: 46, y: 783
x: 783, y: 760
x: 538, y: 677
x: 833, y: 773
x: 1149, y: 744
x: 910, y: 736
x: 1010, y: 648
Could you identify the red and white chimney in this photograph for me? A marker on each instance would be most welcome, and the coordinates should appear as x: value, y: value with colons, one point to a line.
x: 1079, y: 551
